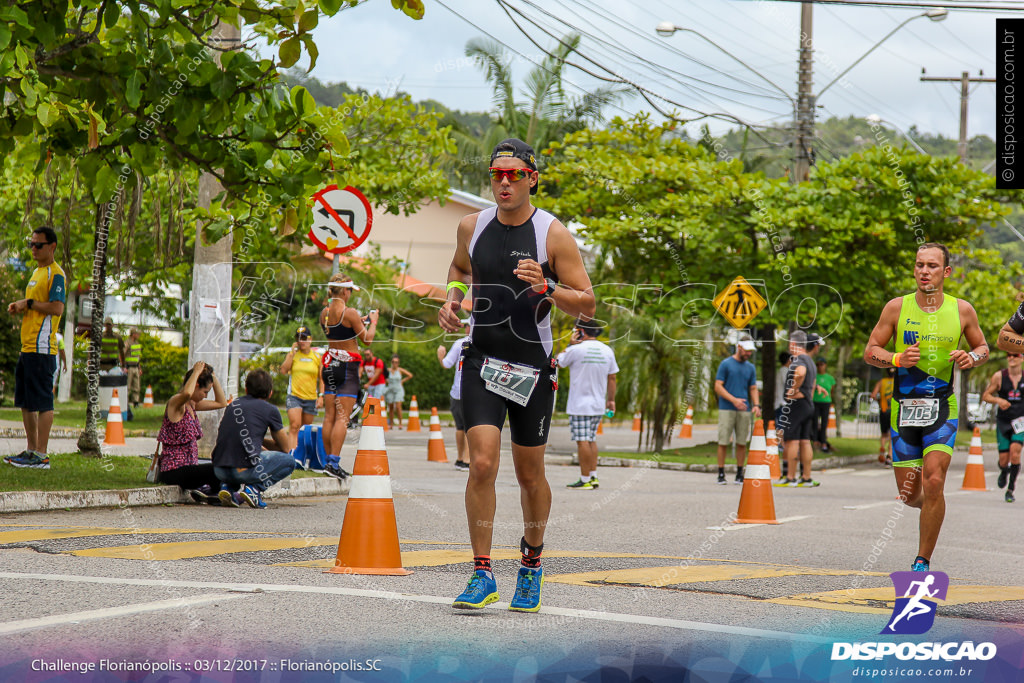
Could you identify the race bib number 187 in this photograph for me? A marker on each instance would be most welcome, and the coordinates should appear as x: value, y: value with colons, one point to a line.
x: 509, y: 380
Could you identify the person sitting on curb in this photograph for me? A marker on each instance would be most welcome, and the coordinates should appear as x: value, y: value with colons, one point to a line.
x: 243, y: 467
x: 180, y: 434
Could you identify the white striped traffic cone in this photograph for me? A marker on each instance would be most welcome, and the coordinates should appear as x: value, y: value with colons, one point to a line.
x: 757, y: 503
x: 414, y: 416
x: 831, y: 428
x: 686, y: 429
x: 636, y: 421
x: 115, y: 426
x: 147, y: 401
x: 772, y: 451
x: 435, y: 445
x: 369, y: 534
x: 974, y: 473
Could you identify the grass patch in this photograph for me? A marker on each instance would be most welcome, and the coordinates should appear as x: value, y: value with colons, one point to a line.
x: 707, y: 454
x: 75, y: 472
x: 72, y: 414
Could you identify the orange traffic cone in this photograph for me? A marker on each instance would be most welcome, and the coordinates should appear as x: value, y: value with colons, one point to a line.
x: 772, y: 452
x: 115, y: 426
x: 600, y: 427
x: 974, y: 473
x: 686, y: 429
x: 636, y: 421
x: 147, y: 401
x: 369, y: 534
x: 757, y: 506
x: 435, y: 445
x: 414, y: 416
x: 832, y: 420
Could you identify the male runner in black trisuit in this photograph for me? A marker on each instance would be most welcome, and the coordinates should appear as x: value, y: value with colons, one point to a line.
x: 520, y: 261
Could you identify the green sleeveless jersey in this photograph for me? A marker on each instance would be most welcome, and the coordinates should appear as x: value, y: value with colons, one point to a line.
x: 939, y: 335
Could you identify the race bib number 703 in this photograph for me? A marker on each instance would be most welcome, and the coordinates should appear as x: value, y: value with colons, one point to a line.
x: 918, y: 412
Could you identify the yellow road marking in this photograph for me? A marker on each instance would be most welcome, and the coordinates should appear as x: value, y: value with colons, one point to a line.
x: 658, y: 577
x: 84, y: 532
x: 186, y: 550
x: 437, y: 558
x: 56, y: 533
x: 881, y: 600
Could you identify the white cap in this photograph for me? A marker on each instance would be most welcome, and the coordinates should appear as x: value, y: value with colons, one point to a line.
x: 345, y: 285
x: 746, y: 345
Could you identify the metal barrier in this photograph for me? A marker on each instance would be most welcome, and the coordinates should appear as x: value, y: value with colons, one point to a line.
x: 865, y: 424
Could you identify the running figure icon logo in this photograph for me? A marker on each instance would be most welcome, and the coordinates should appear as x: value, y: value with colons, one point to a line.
x: 914, y: 613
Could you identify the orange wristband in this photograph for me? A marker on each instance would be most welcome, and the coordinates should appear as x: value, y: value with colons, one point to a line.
x: 896, y: 359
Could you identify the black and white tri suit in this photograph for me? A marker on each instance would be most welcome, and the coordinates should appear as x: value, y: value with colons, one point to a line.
x: 511, y: 323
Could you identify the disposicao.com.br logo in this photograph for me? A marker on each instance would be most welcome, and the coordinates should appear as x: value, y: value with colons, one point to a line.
x: 914, y: 614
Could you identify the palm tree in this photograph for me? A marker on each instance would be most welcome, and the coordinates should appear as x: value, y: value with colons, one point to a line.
x: 547, y: 115
x: 653, y: 374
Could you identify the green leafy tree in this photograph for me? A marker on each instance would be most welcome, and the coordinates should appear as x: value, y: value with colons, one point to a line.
x: 547, y: 114
x: 127, y: 88
x: 826, y: 254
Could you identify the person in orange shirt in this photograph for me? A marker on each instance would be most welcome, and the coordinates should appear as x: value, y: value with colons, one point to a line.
x: 883, y: 394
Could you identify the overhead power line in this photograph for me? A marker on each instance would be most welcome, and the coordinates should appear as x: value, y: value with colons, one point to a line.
x: 981, y: 7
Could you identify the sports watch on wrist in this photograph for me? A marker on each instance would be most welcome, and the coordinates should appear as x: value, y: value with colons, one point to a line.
x: 551, y: 287
x: 29, y: 303
x: 974, y: 356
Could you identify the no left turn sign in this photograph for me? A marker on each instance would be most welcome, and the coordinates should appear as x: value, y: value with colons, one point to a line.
x: 341, y: 219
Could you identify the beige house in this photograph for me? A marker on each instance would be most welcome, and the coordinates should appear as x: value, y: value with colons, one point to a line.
x: 426, y: 239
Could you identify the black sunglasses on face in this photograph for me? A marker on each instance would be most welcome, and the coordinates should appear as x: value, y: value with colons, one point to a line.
x: 37, y: 245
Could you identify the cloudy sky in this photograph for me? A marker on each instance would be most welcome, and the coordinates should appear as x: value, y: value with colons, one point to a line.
x: 376, y: 47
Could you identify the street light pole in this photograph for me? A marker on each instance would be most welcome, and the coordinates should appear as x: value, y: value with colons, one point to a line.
x: 937, y: 14
x: 875, y: 119
x: 803, y: 125
x: 665, y: 29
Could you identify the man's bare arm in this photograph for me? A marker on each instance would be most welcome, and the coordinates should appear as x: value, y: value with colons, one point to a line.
x: 460, y: 270
x: 875, y: 352
x: 574, y: 295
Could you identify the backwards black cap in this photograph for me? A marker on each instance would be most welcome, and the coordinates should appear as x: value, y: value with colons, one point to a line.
x: 516, y: 149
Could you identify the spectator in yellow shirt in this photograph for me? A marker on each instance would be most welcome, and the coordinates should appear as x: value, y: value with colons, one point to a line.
x: 42, y: 308
x: 305, y: 385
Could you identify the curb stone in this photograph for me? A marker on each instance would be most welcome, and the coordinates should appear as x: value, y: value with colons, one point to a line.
x: 29, y: 501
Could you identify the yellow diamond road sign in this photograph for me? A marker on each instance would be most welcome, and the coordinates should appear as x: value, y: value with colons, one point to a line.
x: 739, y: 303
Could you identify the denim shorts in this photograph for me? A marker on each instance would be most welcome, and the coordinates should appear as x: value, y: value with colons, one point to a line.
x: 308, y: 405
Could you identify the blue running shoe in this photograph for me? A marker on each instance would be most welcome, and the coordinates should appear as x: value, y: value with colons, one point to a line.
x: 33, y: 461
x: 480, y: 592
x: 229, y: 498
x: 920, y: 565
x: 252, y: 497
x: 527, y: 595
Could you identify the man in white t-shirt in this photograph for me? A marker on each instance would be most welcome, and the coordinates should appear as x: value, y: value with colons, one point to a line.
x: 592, y: 370
x: 449, y: 359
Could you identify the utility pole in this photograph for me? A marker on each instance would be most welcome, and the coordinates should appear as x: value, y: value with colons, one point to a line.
x: 804, y: 114
x: 210, y: 305
x: 965, y: 81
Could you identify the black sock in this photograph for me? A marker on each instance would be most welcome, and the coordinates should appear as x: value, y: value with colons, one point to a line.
x: 721, y: 471
x: 1014, y: 470
x: 531, y: 554
x: 739, y: 470
x: 482, y: 562
x: 921, y: 558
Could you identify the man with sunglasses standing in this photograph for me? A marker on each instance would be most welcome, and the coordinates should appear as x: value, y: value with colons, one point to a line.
x: 42, y: 307
x: 520, y: 261
x: 1006, y: 390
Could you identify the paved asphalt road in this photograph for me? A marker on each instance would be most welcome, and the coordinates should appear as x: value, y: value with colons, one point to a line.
x: 645, y: 576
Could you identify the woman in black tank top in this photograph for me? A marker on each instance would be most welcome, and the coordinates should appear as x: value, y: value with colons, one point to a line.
x: 342, y: 325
